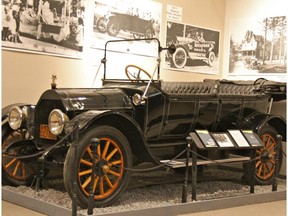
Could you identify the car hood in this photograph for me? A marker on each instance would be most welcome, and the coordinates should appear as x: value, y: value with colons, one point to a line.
x: 87, y: 99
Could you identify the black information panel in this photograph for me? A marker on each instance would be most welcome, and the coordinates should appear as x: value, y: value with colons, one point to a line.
x: 239, y: 138
x: 252, y: 138
x: 231, y: 139
x: 206, y: 138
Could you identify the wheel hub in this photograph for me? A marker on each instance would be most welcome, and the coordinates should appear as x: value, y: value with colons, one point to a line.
x: 102, y: 168
x: 265, y: 156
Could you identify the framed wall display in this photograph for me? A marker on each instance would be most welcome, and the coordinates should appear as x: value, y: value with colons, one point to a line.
x: 223, y: 140
x: 44, y: 27
x: 197, y: 48
x: 206, y: 138
x: 258, y: 47
x: 252, y: 138
x: 239, y: 138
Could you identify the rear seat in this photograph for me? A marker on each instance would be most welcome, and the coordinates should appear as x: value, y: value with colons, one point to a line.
x: 187, y: 88
x: 209, y: 88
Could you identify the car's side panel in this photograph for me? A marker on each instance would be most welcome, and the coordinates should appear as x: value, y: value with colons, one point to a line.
x: 155, y: 107
x: 179, y: 117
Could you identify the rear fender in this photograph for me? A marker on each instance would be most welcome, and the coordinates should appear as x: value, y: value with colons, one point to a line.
x: 257, y: 120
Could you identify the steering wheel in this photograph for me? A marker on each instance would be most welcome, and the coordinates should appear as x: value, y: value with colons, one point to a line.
x: 135, y: 75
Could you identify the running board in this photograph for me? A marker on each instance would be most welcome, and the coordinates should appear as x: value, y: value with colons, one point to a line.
x: 182, y: 162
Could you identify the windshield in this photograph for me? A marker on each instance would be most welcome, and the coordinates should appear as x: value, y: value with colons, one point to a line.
x: 121, y: 62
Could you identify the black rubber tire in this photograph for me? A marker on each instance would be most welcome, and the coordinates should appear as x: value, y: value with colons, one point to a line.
x: 105, y: 194
x: 268, y: 136
x: 16, y: 172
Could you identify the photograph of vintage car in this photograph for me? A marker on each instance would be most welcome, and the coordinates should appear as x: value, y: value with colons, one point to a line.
x: 197, y: 48
x: 125, y: 20
x: 98, y: 135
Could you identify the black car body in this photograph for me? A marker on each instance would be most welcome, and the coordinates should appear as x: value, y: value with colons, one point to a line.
x: 138, y: 27
x: 134, y: 120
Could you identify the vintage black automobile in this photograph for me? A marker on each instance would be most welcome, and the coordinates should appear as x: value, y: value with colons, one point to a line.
x: 136, y: 120
x: 138, y: 27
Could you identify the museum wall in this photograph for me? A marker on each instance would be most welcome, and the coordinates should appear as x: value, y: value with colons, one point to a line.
x: 26, y: 75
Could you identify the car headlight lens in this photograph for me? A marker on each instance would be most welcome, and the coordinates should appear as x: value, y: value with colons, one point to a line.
x: 16, y: 117
x: 56, y: 121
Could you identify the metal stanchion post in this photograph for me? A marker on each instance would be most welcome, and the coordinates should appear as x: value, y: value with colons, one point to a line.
x: 184, y: 189
x: 277, y: 149
x: 252, y: 172
x: 194, y: 170
x: 94, y: 144
x: 74, y: 145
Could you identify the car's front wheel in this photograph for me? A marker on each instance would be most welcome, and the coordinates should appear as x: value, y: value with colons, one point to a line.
x: 211, y: 58
x: 16, y: 171
x: 110, y: 176
x: 113, y: 28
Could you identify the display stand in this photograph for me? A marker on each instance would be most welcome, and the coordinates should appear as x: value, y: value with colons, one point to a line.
x: 230, y: 140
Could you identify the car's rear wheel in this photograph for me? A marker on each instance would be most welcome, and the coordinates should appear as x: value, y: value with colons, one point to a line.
x: 15, y: 171
x: 110, y: 176
x: 265, y: 165
x: 179, y: 58
x: 101, y: 25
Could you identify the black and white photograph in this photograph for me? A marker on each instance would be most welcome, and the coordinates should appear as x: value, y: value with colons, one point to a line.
x: 223, y: 140
x: 258, y: 46
x: 44, y: 26
x: 127, y: 19
x: 197, y: 48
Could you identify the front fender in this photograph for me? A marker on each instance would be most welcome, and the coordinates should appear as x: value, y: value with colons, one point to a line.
x: 123, y: 122
x: 83, y: 119
x: 257, y: 120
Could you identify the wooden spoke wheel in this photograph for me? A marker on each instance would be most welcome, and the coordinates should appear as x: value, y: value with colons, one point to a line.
x: 265, y: 165
x: 16, y: 171
x: 110, y: 176
x: 107, y: 175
